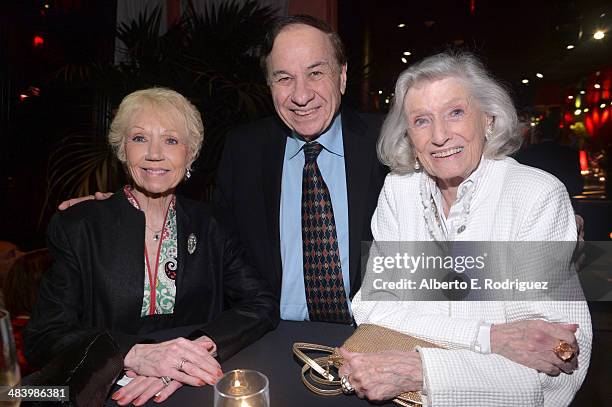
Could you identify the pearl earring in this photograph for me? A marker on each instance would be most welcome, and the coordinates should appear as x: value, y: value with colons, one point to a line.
x: 417, y: 164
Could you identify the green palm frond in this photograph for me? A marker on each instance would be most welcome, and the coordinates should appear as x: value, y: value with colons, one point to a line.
x: 211, y: 58
x: 80, y: 165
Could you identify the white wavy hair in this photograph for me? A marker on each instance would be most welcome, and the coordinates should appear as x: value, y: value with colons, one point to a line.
x: 396, y: 151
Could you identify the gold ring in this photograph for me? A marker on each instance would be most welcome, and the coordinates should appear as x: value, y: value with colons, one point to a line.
x: 180, y: 366
x: 166, y: 380
x: 564, y: 351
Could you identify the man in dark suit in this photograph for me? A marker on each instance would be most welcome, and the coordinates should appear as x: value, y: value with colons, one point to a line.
x: 263, y: 182
x: 284, y: 210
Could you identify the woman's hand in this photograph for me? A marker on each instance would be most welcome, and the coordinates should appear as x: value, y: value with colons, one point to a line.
x: 212, y: 350
x: 189, y: 362
x: 382, y: 375
x: 143, y: 388
x: 531, y: 344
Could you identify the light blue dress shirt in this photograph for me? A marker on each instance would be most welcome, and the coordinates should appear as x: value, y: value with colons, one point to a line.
x: 331, y: 163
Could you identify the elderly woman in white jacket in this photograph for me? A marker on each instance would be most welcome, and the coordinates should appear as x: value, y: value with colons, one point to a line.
x: 447, y: 139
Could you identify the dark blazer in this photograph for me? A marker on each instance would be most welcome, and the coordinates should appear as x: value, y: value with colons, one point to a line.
x: 96, y: 282
x: 249, y: 188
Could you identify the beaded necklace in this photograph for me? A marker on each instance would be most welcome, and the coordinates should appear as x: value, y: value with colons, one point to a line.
x: 432, y: 215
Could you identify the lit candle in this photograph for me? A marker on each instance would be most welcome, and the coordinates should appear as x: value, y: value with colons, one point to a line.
x: 242, y: 388
x: 239, y: 386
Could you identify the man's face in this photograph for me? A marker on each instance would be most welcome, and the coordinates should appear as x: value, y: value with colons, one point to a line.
x: 305, y: 80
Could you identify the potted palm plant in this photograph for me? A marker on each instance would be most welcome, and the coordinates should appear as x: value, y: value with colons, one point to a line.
x: 210, y: 57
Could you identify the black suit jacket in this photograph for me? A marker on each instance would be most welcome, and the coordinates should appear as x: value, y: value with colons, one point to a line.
x: 249, y: 187
x: 96, y: 282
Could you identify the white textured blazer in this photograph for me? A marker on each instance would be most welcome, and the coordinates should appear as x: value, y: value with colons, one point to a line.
x: 512, y: 202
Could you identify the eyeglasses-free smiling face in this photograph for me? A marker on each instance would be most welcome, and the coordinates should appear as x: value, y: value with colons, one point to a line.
x: 446, y: 128
x: 156, y: 151
x: 305, y: 80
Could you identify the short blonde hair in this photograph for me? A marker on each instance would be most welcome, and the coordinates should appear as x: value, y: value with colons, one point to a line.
x: 167, y: 101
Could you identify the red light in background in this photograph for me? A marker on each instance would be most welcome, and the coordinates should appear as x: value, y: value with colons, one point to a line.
x: 38, y: 41
x: 596, y: 97
x: 595, y: 116
x: 605, y: 116
x: 34, y: 91
x: 588, y: 123
x: 567, y: 117
x: 31, y: 91
x: 584, y: 165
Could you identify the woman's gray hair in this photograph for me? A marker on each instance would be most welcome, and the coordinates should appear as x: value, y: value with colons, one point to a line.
x: 167, y: 101
x: 394, y: 147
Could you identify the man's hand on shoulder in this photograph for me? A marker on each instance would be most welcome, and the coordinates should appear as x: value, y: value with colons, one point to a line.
x: 98, y: 196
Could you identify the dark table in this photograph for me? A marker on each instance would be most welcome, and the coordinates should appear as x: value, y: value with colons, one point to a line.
x: 272, y: 356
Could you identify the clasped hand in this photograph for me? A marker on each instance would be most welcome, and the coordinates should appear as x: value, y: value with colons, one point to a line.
x: 382, y: 375
x: 531, y: 344
x: 185, y: 361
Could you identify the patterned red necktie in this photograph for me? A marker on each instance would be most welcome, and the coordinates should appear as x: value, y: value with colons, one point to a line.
x: 325, y: 294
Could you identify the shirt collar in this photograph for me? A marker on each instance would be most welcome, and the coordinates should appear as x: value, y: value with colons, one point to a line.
x: 460, y: 208
x: 467, y: 184
x: 472, y: 181
x: 331, y: 140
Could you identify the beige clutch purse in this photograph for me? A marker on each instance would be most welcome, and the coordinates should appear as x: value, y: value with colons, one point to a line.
x: 320, y: 374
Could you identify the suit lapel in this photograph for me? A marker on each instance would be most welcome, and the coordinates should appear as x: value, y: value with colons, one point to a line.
x: 358, y: 163
x: 272, y: 170
x: 185, y: 228
x: 129, y: 240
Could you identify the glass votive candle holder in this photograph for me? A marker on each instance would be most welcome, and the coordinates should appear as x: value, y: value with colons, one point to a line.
x: 242, y: 388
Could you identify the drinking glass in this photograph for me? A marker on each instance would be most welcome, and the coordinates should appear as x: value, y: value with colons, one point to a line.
x: 9, y: 365
x: 242, y: 388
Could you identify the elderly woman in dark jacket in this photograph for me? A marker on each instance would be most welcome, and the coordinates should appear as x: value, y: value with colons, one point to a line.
x: 146, y: 260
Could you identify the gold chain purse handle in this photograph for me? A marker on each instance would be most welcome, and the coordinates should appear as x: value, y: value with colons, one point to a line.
x: 366, y: 338
x: 319, y: 365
